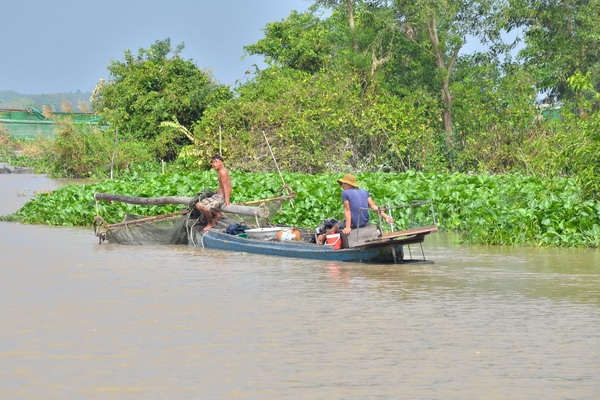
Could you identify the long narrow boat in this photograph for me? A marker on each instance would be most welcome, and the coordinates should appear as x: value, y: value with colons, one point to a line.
x: 369, y: 244
x: 389, y: 248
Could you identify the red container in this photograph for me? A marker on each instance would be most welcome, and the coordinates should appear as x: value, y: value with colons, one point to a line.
x: 334, y: 240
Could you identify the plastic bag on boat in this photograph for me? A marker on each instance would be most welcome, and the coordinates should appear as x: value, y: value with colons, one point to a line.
x: 236, y: 229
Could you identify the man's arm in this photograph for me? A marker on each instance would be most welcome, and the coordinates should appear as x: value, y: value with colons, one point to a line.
x: 348, y: 217
x: 375, y: 207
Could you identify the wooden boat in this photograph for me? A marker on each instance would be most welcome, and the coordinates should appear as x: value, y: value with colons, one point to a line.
x: 389, y: 248
x: 366, y: 244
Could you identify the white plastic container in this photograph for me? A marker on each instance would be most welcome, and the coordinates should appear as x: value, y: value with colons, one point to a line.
x: 264, y: 233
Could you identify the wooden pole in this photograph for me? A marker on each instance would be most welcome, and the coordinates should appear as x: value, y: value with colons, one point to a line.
x: 261, y: 212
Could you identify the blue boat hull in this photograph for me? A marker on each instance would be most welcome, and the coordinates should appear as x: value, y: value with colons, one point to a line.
x: 387, y: 253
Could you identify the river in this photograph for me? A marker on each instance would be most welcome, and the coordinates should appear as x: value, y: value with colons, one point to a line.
x: 83, y: 320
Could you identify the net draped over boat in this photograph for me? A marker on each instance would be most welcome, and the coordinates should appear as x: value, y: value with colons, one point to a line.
x: 138, y: 230
x: 176, y: 228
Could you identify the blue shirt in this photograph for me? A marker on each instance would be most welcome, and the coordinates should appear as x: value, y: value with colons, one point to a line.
x: 359, y: 205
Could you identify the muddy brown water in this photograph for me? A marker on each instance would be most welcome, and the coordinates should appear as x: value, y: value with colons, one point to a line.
x: 79, y: 320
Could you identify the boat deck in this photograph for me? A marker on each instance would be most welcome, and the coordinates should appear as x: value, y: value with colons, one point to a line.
x: 414, y: 235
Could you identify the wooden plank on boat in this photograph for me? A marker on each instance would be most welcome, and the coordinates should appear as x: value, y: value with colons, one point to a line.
x: 413, y: 235
x: 422, y: 230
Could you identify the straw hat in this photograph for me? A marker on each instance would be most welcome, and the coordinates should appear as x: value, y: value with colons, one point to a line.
x: 349, y: 179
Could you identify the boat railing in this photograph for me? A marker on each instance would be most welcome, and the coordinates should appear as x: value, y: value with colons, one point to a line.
x: 416, y: 214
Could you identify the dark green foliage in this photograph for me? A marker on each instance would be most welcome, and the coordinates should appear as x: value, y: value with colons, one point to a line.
x: 299, y: 42
x: 492, y: 127
x: 156, y: 85
x: 561, y: 37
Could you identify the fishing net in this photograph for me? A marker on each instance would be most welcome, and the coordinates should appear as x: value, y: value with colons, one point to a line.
x: 135, y: 229
x: 175, y: 228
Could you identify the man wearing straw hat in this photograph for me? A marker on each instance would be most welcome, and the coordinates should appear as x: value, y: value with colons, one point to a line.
x: 356, y: 203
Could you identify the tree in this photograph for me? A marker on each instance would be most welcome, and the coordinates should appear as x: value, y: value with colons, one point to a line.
x: 348, y: 6
x: 562, y: 53
x: 299, y: 42
x: 561, y: 37
x: 494, y: 112
x: 417, y: 44
x: 364, y: 36
x: 154, y: 86
x: 441, y: 28
x: 355, y: 36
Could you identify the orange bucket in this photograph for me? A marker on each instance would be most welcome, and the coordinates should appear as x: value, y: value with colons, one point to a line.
x: 334, y: 240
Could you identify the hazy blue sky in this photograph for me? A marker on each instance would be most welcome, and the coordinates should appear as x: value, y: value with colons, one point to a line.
x: 51, y: 46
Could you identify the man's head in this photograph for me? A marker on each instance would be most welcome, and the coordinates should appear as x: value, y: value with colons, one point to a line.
x: 216, y: 161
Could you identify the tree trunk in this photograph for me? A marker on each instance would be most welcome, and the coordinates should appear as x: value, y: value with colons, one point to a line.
x: 261, y: 212
x: 446, y: 71
x: 447, y: 113
x: 350, y: 11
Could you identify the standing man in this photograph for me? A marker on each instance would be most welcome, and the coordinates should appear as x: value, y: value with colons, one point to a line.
x: 210, y: 205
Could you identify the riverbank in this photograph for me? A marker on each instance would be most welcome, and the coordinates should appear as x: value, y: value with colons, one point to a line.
x: 6, y: 168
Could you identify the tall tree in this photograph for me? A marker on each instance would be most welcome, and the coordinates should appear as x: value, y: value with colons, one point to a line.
x: 364, y: 34
x: 355, y: 35
x: 441, y: 28
x: 299, y: 42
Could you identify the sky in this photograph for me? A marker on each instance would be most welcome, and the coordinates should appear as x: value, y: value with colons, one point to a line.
x: 52, y: 46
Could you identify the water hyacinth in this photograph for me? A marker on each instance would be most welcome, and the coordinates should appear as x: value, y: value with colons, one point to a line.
x: 486, y: 209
